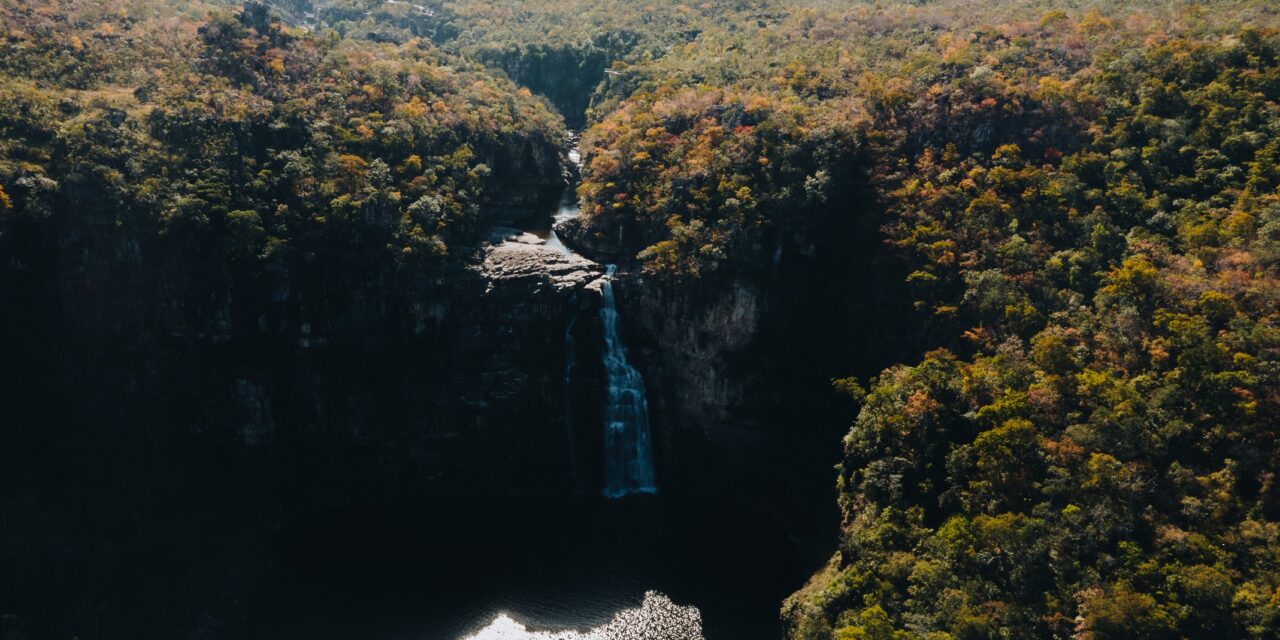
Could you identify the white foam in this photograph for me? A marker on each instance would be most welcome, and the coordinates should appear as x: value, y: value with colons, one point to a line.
x: 657, y: 618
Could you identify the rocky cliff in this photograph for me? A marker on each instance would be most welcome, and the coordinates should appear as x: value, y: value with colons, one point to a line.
x: 740, y: 368
x: 453, y: 381
x: 158, y: 401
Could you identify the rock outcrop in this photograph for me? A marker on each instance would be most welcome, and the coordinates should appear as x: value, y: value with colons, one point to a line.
x: 513, y: 254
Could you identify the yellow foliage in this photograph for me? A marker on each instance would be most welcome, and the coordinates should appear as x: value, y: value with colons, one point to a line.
x: 1094, y: 22
x: 413, y: 109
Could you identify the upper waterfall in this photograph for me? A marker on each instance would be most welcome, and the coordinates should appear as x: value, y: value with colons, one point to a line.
x: 627, y: 448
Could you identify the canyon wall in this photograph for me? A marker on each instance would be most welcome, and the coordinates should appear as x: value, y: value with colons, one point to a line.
x: 163, y: 408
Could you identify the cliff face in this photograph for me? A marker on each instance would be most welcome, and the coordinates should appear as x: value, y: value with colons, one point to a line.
x: 694, y: 350
x: 528, y: 180
x: 449, y: 381
x: 158, y: 420
x: 159, y: 396
x: 740, y: 367
x: 567, y: 75
x: 734, y: 411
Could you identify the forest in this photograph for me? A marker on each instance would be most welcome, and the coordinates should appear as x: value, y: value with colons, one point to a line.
x: 1012, y: 267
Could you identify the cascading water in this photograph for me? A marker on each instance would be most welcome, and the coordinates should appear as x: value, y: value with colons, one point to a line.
x: 628, y: 453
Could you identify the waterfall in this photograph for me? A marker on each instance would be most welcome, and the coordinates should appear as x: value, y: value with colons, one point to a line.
x: 628, y: 454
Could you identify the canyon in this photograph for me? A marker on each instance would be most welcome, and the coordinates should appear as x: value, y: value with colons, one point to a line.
x: 299, y: 394
x: 871, y: 320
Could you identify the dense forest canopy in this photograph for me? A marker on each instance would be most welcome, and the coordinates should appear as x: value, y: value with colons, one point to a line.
x: 1087, y: 204
x: 241, y: 132
x: 1082, y: 198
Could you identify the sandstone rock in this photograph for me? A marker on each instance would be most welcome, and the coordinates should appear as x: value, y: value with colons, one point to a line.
x: 515, y: 254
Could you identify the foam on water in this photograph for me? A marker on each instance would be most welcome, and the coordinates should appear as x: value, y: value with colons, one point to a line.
x: 657, y: 618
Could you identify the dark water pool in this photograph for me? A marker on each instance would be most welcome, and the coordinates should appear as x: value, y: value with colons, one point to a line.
x: 447, y: 569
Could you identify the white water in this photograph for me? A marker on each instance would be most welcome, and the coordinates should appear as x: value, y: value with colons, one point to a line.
x: 657, y: 618
x: 567, y: 211
x: 628, y: 453
x: 627, y: 448
x: 568, y: 207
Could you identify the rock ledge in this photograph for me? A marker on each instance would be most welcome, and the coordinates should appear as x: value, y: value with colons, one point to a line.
x: 513, y: 254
